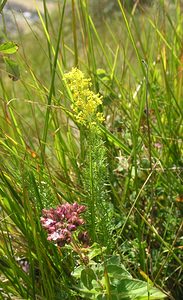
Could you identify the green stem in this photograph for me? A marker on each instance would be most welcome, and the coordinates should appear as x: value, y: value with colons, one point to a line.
x: 74, y: 33
x: 2, y: 4
x: 51, y: 92
x: 92, y: 198
x: 147, y: 114
x: 47, y: 28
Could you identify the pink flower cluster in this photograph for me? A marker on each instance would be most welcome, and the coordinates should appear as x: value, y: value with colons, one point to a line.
x: 62, y: 221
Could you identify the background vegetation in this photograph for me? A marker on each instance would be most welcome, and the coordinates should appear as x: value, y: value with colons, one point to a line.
x: 127, y: 171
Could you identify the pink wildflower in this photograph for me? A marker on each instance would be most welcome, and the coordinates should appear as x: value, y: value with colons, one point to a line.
x: 62, y: 221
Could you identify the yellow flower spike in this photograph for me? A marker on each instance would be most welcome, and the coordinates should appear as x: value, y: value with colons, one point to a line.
x: 85, y: 102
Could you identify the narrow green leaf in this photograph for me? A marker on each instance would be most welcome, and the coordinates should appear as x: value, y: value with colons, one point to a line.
x: 113, y: 139
x: 12, y: 68
x: 8, y: 48
x: 2, y: 4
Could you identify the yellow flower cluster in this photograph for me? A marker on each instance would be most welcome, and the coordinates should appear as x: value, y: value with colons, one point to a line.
x: 85, y: 102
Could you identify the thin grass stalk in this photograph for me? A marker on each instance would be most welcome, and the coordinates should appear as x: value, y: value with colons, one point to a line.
x: 51, y: 91
x: 169, y: 248
x: 48, y: 44
x: 147, y: 115
x: 12, y: 264
x: 168, y: 254
x: 92, y: 197
x: 2, y: 4
x: 136, y: 188
x: 90, y: 43
x: 74, y: 30
x: 164, y: 40
x: 130, y: 34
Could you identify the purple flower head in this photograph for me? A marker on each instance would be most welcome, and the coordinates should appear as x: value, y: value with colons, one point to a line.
x: 81, y: 209
x: 62, y: 221
x: 53, y: 236
x: 51, y: 229
x: 71, y: 227
x: 48, y: 213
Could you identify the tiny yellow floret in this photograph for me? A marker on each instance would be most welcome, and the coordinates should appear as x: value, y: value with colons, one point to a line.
x: 85, y: 102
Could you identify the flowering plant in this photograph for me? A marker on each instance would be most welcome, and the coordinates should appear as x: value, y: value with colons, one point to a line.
x: 85, y: 102
x: 62, y: 221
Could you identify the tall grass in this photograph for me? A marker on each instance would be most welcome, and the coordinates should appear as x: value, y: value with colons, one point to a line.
x: 128, y: 171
